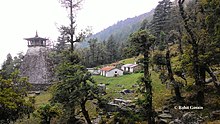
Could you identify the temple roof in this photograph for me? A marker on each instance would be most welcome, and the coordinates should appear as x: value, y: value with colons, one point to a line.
x: 36, y: 38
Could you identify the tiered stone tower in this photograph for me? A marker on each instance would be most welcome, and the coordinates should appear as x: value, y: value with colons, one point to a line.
x: 35, y: 63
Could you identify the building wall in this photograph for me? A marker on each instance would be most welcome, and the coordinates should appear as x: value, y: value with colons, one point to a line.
x: 94, y: 71
x: 112, y: 73
x: 36, y: 66
x: 132, y: 69
x: 137, y: 68
x: 103, y: 73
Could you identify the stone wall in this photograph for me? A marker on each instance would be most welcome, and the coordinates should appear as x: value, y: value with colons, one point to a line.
x: 35, y: 67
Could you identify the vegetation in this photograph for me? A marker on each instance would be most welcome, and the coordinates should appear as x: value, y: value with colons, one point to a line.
x: 141, y: 42
x: 13, y: 90
x: 115, y: 85
x: 178, y: 47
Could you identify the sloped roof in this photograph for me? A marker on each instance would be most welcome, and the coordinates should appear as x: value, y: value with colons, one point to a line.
x: 36, y: 38
x: 130, y: 65
x: 107, y: 68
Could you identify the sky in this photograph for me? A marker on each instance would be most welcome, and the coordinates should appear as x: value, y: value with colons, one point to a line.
x: 21, y: 19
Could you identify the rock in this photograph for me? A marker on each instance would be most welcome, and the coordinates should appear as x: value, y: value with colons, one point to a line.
x: 97, y: 120
x: 37, y: 92
x: 102, y: 88
x: 172, y: 122
x: 217, y: 72
x: 191, y: 118
x: 209, y: 80
x: 134, y: 86
x: 111, y: 107
x: 166, y: 109
x: 163, y: 121
x: 176, y: 121
x: 158, y: 111
x: 165, y: 116
x: 108, y: 115
x: 122, y: 101
x: 215, y: 114
x: 126, y: 91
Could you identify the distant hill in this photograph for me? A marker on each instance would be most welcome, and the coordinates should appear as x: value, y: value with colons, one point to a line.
x: 122, y: 29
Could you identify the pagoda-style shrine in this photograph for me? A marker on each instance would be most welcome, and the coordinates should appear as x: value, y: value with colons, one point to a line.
x: 36, y: 41
x: 36, y: 63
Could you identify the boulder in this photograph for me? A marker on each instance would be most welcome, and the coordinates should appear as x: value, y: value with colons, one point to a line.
x: 122, y: 101
x: 176, y: 121
x: 215, y: 114
x: 126, y: 91
x: 165, y: 116
x: 163, y: 121
x: 134, y: 86
x: 166, y: 109
x: 102, y: 88
x: 111, y: 107
x: 191, y: 118
x: 37, y: 92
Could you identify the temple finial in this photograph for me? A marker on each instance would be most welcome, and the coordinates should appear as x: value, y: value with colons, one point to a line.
x: 36, y: 34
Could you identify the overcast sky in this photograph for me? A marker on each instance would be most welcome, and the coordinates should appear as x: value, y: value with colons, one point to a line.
x: 21, y: 18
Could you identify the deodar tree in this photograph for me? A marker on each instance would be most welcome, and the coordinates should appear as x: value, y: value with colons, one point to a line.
x: 201, y: 23
x: 161, y: 27
x: 141, y: 41
x: 74, y: 89
x: 13, y: 90
x: 69, y: 32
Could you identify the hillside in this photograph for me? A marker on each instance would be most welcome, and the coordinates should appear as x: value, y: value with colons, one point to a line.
x: 122, y: 29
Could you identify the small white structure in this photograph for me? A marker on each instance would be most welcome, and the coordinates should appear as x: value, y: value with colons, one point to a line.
x: 94, y: 71
x: 130, y: 67
x: 111, y: 71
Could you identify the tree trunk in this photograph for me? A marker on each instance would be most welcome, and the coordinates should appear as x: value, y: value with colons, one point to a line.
x: 195, y: 53
x: 180, y: 42
x: 199, y: 74
x: 170, y: 74
x: 85, y: 112
x: 148, y: 88
x: 214, y: 78
x: 71, y: 26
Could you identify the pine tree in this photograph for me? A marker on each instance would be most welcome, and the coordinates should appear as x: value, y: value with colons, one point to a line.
x: 141, y: 42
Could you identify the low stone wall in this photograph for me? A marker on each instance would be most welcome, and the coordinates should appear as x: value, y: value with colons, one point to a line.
x: 39, y: 87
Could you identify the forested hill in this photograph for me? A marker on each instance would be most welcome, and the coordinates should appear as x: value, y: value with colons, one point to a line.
x: 122, y: 29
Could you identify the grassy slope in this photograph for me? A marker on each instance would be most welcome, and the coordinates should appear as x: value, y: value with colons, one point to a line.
x: 130, y: 60
x: 43, y: 98
x: 116, y: 84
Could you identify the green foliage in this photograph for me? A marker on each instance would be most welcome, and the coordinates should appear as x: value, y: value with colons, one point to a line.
x: 47, y: 111
x: 140, y: 41
x: 100, y: 53
x: 212, y: 21
x: 160, y: 24
x: 10, y: 65
x: 69, y: 32
x: 75, y: 86
x: 12, y: 102
x: 127, y: 117
x: 43, y: 98
x: 159, y: 59
x: 111, y: 49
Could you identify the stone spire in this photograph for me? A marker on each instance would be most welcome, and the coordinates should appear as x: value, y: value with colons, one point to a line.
x: 36, y: 34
